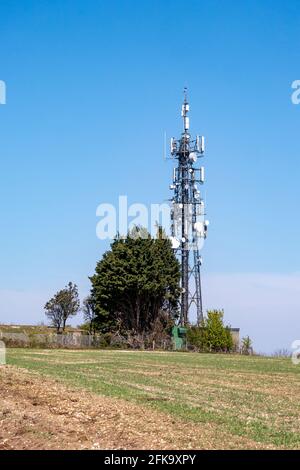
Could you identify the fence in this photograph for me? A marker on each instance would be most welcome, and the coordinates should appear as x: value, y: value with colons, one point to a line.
x: 51, y: 340
x: 80, y: 341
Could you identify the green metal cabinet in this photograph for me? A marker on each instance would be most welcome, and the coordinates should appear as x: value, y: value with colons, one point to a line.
x: 179, y: 337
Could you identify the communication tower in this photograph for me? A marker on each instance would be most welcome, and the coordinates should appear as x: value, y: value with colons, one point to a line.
x: 188, y: 224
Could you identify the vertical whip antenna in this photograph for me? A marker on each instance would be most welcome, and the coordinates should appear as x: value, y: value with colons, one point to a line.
x: 184, y: 111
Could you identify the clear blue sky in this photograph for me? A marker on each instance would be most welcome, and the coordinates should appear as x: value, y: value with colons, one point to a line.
x: 91, y: 87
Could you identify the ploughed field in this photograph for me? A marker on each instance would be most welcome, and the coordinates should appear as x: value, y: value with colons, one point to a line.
x: 62, y: 399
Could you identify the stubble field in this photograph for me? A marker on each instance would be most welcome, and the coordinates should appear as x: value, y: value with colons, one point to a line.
x: 106, y: 399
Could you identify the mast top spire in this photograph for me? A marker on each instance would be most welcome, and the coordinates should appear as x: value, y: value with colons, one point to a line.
x: 185, y: 94
x: 184, y: 111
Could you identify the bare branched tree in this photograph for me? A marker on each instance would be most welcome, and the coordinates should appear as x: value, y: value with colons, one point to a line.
x: 63, y: 305
x: 89, y: 314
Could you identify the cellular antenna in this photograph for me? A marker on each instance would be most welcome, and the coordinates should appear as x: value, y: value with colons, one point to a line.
x: 188, y: 224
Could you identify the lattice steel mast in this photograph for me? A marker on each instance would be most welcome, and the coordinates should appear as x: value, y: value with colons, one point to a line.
x: 188, y: 227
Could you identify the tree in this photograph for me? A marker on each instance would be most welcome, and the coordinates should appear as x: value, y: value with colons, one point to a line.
x: 246, y: 346
x: 211, y: 335
x: 217, y: 336
x: 64, y: 304
x: 134, y: 280
x: 89, y: 313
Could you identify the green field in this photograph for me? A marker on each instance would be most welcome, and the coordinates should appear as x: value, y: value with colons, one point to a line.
x: 254, y: 397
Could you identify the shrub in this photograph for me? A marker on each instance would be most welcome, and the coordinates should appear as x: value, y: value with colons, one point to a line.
x: 211, y: 335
